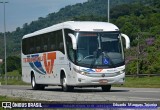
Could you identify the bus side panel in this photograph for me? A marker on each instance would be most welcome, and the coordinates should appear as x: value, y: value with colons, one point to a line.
x: 45, y: 66
x: 52, y: 75
x: 25, y: 70
x: 72, y: 77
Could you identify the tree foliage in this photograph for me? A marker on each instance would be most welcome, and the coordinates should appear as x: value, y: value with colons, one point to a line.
x: 13, y: 63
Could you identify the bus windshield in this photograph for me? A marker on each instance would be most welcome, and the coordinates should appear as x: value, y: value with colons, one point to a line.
x: 99, y: 49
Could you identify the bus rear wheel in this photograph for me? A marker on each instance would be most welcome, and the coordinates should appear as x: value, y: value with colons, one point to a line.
x: 65, y: 87
x: 106, y: 88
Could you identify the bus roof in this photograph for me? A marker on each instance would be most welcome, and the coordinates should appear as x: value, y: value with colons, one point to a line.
x: 90, y: 26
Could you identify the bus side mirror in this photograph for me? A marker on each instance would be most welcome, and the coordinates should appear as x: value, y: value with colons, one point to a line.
x: 74, y: 43
x: 127, y: 40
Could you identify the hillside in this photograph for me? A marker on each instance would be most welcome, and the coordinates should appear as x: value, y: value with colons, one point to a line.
x: 133, y: 17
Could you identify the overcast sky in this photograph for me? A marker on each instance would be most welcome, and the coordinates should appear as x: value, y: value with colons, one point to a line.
x: 19, y: 12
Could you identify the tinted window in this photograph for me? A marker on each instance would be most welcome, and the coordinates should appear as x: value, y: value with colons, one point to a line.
x: 52, y: 41
x: 70, y: 51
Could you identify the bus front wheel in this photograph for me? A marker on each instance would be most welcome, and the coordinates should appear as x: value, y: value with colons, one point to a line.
x: 106, y: 88
x: 65, y: 87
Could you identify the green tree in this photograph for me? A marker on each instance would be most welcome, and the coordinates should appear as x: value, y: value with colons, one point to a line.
x: 13, y: 63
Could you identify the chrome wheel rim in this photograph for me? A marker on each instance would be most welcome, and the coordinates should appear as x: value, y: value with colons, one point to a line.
x: 64, y: 82
x: 33, y: 82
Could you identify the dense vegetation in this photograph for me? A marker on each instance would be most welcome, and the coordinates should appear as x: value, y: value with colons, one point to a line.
x: 133, y: 17
x: 13, y: 63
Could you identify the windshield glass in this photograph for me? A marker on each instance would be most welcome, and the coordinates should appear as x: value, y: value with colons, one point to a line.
x: 99, y: 50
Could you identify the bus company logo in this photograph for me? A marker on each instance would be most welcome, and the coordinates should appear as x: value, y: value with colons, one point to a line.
x: 99, y: 70
x: 6, y: 105
x: 88, y: 70
x: 36, y: 61
x: 92, y: 70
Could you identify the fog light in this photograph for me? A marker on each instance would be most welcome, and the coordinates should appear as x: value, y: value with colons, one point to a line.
x: 122, y: 71
x: 79, y: 79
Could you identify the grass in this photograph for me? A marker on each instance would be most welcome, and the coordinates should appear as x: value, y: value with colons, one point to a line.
x: 13, y: 81
x: 5, y: 98
x: 142, y: 82
x: 13, y: 73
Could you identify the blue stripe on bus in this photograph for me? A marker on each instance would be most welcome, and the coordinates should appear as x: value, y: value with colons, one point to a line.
x: 34, y: 67
x: 38, y: 64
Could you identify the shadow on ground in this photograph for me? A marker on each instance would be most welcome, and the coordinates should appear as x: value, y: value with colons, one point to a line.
x: 82, y: 90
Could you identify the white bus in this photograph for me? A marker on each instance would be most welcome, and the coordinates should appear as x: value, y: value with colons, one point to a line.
x: 74, y: 54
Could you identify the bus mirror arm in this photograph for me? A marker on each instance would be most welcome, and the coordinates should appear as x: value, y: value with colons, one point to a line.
x: 127, y: 40
x: 73, y: 41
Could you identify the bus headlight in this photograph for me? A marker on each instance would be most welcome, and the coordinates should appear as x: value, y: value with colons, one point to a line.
x: 80, y: 72
x: 83, y: 73
x: 123, y: 71
x: 120, y: 72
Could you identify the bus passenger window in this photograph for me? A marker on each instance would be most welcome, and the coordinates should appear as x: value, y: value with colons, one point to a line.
x: 45, y: 47
x: 31, y: 50
x: 37, y: 44
x: 31, y: 45
x: 69, y: 46
x: 53, y: 47
x: 38, y: 49
x: 61, y: 46
x: 59, y: 39
x: 52, y: 42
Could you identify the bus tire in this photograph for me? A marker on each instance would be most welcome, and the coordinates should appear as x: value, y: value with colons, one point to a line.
x: 33, y: 83
x: 65, y: 87
x: 41, y: 87
x: 106, y: 88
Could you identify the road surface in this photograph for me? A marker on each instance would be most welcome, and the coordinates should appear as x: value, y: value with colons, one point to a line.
x: 54, y: 93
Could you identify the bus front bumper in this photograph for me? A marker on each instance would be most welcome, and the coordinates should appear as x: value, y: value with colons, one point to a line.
x: 83, y: 80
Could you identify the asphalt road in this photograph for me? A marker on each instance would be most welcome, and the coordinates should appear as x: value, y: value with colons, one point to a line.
x: 54, y: 93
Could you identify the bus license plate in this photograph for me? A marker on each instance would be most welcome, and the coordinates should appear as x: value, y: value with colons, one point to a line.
x: 103, y: 81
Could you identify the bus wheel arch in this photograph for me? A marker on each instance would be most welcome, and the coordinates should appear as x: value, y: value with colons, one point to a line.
x: 63, y: 81
x: 32, y: 74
